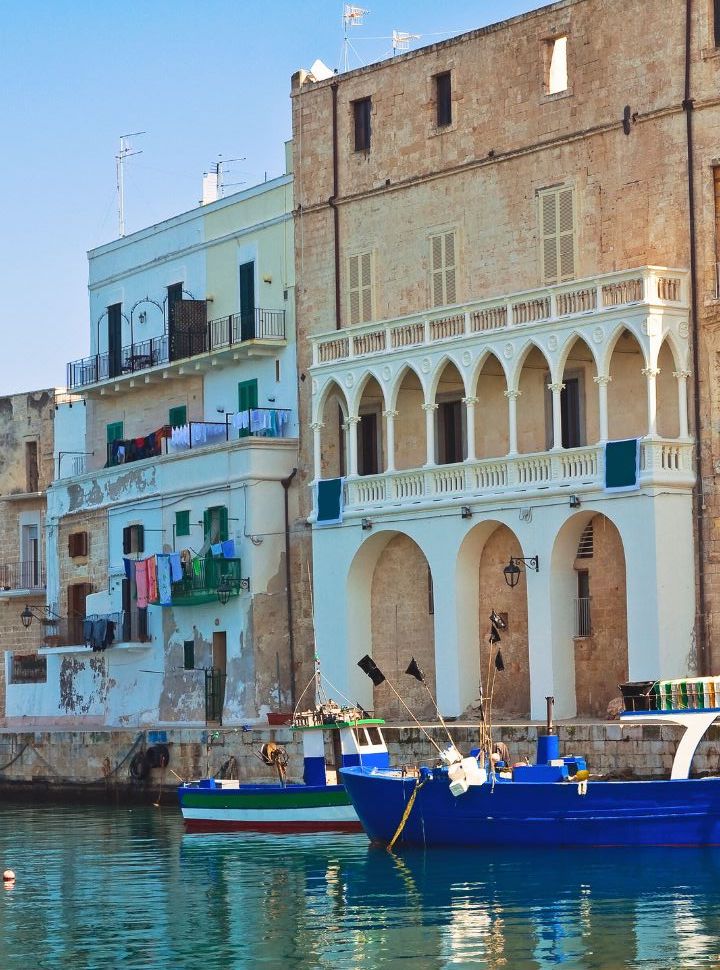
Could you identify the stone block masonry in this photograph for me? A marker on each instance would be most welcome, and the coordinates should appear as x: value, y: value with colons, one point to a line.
x: 94, y: 765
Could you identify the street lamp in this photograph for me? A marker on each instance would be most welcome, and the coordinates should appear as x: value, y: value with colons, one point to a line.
x: 49, y: 616
x: 512, y: 570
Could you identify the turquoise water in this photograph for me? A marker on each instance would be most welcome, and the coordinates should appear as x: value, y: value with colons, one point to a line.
x: 121, y: 888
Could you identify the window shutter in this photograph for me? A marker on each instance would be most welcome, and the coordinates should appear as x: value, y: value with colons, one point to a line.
x: 77, y: 544
x: 360, y: 288
x: 142, y: 625
x: 177, y: 416
x: 140, y: 538
x: 207, y: 522
x: 182, y: 523
x: 223, y: 517
x: 366, y: 286
x: 557, y: 232
x: 444, y: 290
x: 127, y: 541
x: 354, y: 288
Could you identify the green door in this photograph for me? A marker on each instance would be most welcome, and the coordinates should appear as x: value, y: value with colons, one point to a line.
x: 247, y: 400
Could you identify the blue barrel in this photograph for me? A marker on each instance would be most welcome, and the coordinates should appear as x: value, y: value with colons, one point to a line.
x: 548, y: 748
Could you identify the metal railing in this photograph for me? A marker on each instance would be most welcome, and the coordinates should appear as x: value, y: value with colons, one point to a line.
x: 201, y: 578
x: 237, y: 328
x: 583, y: 624
x: 22, y: 575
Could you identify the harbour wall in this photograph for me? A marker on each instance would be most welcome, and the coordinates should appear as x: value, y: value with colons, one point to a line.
x: 102, y: 765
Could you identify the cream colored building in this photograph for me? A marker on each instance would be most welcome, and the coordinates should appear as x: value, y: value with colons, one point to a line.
x: 188, y: 451
x: 499, y: 287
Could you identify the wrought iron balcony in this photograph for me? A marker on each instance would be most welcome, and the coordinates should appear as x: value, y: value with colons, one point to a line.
x: 201, y: 579
x: 22, y: 575
x: 229, y: 331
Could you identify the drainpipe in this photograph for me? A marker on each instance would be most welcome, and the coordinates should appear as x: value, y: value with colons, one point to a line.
x: 698, y: 498
x: 286, y: 482
x: 333, y: 203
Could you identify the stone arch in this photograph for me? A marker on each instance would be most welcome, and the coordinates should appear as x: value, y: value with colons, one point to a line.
x: 408, y: 397
x: 369, y: 408
x: 668, y: 409
x: 489, y: 383
x: 448, y: 390
x: 534, y: 419
x: 398, y: 381
x: 627, y: 391
x: 577, y: 366
x: 391, y: 617
x: 611, y: 343
x: 481, y: 587
x: 438, y: 373
x: 359, y: 390
x: 589, y: 631
x: 332, y: 413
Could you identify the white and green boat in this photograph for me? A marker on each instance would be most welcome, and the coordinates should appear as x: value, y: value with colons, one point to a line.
x: 333, y: 738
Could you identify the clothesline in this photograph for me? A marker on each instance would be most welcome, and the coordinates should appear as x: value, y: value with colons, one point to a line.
x: 155, y: 574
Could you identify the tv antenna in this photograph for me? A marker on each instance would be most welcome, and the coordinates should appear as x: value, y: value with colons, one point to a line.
x: 220, y: 173
x: 126, y: 151
x: 352, y: 17
x: 401, y: 41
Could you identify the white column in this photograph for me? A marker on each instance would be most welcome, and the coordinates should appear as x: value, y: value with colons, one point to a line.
x: 557, y: 389
x: 651, y: 373
x: 682, y: 379
x: 317, y: 449
x: 512, y: 396
x: 430, y: 410
x: 470, y: 403
x: 602, y: 381
x: 351, y: 424
x: 390, y: 439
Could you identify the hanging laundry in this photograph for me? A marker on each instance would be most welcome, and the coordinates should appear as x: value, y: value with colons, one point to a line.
x: 216, y: 549
x: 197, y: 567
x: 228, y: 548
x: 176, y: 573
x: 152, y: 579
x: 129, y: 565
x: 164, y: 580
x: 141, y: 583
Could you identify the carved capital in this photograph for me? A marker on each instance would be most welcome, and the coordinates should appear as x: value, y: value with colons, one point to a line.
x: 650, y: 371
x: 317, y: 426
x: 470, y: 402
x: 556, y: 387
x: 512, y: 394
x: 602, y: 380
x: 429, y: 407
x: 390, y: 414
x: 682, y: 375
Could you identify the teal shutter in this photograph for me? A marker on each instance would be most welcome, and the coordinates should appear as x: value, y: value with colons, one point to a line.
x: 223, y: 517
x: 247, y: 400
x: 182, y: 523
x: 114, y: 432
x: 177, y: 416
x: 207, y: 523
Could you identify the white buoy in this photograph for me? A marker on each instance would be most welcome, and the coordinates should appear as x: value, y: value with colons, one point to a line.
x: 8, y: 877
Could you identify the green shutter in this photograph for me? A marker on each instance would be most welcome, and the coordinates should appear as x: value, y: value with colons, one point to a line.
x: 177, y: 416
x: 114, y: 432
x: 182, y: 523
x: 247, y: 400
x: 219, y: 515
x: 207, y: 521
x: 223, y: 523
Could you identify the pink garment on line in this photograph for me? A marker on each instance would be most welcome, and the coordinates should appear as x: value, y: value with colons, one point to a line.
x: 141, y: 583
x: 152, y: 579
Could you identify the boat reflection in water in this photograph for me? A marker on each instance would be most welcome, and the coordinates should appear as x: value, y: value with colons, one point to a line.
x: 330, y: 901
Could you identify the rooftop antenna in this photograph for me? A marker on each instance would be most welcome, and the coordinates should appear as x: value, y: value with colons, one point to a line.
x: 352, y: 17
x: 401, y: 41
x: 126, y: 150
x: 220, y: 173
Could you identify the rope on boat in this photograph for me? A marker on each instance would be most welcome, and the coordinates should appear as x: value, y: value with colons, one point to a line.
x: 406, y: 813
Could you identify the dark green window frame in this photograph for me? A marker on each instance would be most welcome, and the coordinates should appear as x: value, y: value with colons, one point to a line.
x: 115, y: 432
x: 182, y: 523
x: 177, y: 416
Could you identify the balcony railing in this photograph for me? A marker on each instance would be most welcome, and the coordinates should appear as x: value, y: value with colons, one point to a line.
x: 661, y: 461
x: 224, y: 332
x: 22, y: 575
x: 649, y: 285
x: 201, y: 578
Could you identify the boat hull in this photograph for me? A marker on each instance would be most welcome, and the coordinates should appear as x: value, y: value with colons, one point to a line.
x: 621, y: 813
x: 267, y: 808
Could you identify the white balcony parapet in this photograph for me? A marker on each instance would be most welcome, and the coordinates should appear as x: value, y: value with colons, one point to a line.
x: 662, y: 462
x: 646, y: 286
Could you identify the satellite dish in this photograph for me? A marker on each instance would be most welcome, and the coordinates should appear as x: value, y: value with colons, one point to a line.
x: 320, y: 71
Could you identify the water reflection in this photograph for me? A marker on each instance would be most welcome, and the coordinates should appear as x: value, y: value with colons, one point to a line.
x: 116, y: 888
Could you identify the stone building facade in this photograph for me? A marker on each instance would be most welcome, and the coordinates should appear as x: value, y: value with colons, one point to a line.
x: 503, y: 277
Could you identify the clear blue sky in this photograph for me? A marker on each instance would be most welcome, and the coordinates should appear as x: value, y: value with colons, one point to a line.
x: 202, y: 79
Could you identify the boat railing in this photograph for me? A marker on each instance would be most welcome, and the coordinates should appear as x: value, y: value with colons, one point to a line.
x: 680, y: 694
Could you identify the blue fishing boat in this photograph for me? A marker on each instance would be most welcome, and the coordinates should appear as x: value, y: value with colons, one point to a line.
x: 479, y: 800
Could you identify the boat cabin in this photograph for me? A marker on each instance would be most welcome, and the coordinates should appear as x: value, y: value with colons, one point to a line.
x: 328, y: 747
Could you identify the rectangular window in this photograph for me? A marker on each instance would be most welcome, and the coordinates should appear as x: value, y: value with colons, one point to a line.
x: 28, y: 669
x: 182, y: 523
x: 443, y: 99
x: 716, y: 22
x: 556, y: 79
x: 133, y: 539
x: 189, y: 654
x: 368, y: 442
x: 557, y: 235
x: 583, y: 627
x: 442, y: 254
x: 32, y: 476
x: 361, y: 118
x: 360, y: 288
x: 114, y: 432
x: 77, y: 544
x: 177, y: 416
x: 215, y: 524
x: 174, y: 295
